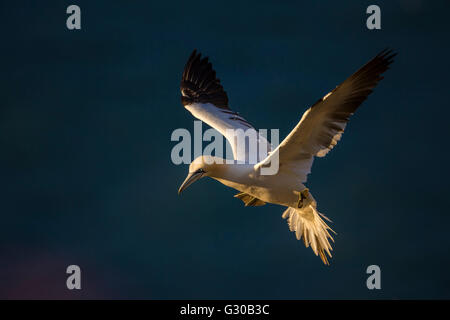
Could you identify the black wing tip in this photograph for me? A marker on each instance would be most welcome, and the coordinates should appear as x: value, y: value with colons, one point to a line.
x: 193, y: 54
x: 200, y: 84
x: 387, y: 55
x: 367, y: 77
x: 373, y: 69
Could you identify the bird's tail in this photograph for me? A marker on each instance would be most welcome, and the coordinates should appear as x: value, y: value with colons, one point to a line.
x: 308, y: 222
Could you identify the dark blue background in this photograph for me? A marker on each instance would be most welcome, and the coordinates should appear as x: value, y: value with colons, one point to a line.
x: 86, y: 177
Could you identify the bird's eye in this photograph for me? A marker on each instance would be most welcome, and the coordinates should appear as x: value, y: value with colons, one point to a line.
x: 200, y: 171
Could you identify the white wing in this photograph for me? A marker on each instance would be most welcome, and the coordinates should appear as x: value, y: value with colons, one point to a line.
x: 322, y: 125
x: 203, y: 95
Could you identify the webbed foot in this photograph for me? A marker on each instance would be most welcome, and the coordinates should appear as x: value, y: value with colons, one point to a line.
x: 303, y: 195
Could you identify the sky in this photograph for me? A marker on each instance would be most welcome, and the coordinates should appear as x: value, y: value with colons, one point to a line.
x: 87, y: 179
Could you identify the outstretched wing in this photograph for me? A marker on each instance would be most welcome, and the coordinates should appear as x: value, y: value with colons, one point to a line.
x: 322, y: 125
x: 203, y: 95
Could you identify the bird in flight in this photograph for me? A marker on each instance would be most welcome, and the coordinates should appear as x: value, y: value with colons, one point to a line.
x: 318, y: 131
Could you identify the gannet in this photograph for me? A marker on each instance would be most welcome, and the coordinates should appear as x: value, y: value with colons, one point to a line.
x: 318, y: 131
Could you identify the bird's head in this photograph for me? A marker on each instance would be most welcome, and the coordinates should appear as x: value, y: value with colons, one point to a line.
x: 202, y: 166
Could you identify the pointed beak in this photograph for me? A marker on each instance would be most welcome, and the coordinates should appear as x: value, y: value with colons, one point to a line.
x: 190, y: 179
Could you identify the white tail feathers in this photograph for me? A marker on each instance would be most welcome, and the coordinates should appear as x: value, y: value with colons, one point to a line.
x: 307, y: 222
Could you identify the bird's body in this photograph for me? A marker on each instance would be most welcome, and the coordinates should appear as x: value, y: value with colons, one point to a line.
x: 279, y: 189
x: 318, y: 131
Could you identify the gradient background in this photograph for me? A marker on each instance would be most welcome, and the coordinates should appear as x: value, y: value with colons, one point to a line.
x: 86, y: 177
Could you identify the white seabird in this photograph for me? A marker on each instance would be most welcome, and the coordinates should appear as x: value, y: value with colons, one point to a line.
x: 318, y: 131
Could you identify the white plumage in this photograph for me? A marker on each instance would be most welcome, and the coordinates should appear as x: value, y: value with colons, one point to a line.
x: 319, y: 130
